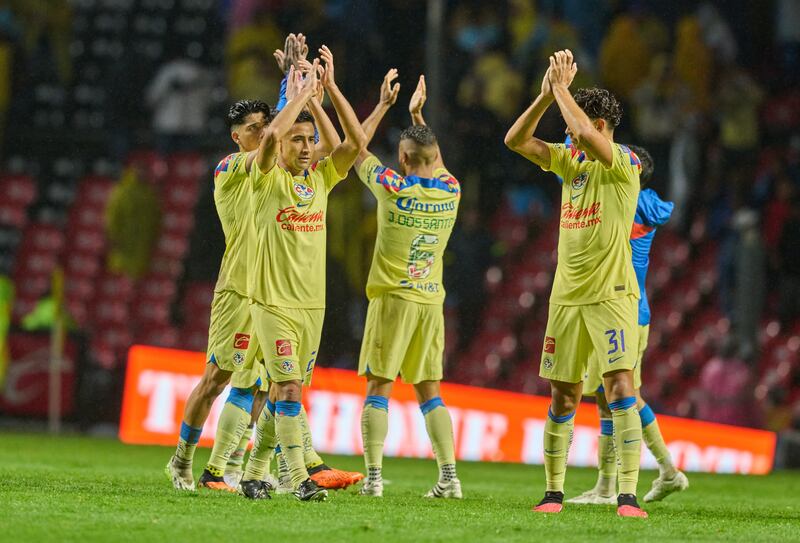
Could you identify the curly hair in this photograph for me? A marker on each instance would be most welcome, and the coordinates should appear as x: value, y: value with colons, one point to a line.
x: 648, y: 167
x: 600, y: 104
x: 305, y: 116
x: 420, y: 134
x: 241, y: 109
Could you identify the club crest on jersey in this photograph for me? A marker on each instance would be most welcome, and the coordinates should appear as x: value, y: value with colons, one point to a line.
x: 580, y: 181
x: 238, y: 358
x: 304, y: 192
x: 547, y: 363
x: 287, y: 366
x: 241, y: 341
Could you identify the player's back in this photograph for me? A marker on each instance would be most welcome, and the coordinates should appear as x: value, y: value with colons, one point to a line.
x: 231, y: 199
x: 651, y: 212
x: 415, y: 219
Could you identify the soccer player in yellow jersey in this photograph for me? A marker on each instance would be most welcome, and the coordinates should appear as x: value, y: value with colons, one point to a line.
x: 404, y: 332
x: 594, y: 301
x: 286, y: 283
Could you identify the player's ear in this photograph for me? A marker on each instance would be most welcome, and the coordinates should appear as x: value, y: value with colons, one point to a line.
x: 235, y: 137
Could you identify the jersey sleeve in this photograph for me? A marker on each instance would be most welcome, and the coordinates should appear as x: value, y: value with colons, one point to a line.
x: 625, y: 162
x: 444, y: 176
x: 379, y: 179
x: 653, y: 210
x: 327, y: 170
x: 226, y: 169
x: 561, y: 160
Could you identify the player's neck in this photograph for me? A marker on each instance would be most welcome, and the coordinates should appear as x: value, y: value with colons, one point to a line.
x: 421, y: 171
x: 288, y: 168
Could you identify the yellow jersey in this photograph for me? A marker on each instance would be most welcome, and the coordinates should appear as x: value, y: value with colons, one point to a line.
x: 286, y: 256
x: 597, y: 209
x: 231, y: 198
x: 415, y: 218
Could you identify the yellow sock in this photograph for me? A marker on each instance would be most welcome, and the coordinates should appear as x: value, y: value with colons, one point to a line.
x: 233, y: 421
x: 655, y: 442
x: 290, y: 436
x: 258, y: 465
x: 374, y: 427
x: 310, y: 456
x: 440, y: 431
x: 236, y: 459
x: 606, y: 465
x: 627, y: 442
x: 557, y: 440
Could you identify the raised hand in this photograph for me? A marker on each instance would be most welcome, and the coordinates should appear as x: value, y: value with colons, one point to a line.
x: 562, y: 68
x: 311, y: 83
x: 327, y: 57
x: 418, y: 98
x: 389, y: 92
x: 547, y: 89
x: 294, y: 81
x: 301, y: 49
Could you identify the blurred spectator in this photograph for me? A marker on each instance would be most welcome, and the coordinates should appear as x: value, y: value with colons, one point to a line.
x: 494, y: 85
x: 787, y: 36
x: 717, y: 34
x: 693, y: 62
x: 789, y: 265
x: 251, y: 71
x: 750, y: 280
x: 739, y: 99
x: 624, y: 56
x: 133, y: 220
x: 725, y: 389
x: 777, y: 212
x: 47, y: 34
x: 180, y: 95
x: 476, y: 28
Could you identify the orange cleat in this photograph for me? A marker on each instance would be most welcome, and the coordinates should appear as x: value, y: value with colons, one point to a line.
x: 332, y: 478
x: 627, y: 506
x: 211, y: 482
x: 551, y: 503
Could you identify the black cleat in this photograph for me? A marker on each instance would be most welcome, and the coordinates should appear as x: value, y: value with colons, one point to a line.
x: 255, y: 489
x: 317, y: 469
x: 551, y: 503
x: 309, y: 491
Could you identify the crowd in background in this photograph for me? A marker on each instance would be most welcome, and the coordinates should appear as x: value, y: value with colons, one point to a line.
x: 709, y: 89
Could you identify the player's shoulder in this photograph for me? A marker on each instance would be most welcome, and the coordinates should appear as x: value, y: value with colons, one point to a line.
x: 447, y: 181
x: 388, y: 178
x: 652, y: 209
x: 229, y: 164
x: 629, y: 158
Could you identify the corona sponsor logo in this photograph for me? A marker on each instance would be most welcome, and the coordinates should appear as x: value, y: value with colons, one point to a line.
x: 410, y: 205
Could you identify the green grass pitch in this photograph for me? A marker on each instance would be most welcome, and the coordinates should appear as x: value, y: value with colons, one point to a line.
x: 84, y: 489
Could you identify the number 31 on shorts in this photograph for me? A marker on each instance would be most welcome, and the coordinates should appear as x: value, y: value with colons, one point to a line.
x: 616, y: 340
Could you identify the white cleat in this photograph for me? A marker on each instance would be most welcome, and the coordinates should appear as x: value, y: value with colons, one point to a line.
x: 180, y: 475
x: 372, y: 488
x: 593, y: 497
x: 664, y: 487
x: 445, y: 489
x: 232, y: 478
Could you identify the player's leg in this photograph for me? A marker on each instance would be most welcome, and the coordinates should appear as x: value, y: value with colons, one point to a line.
x: 320, y: 472
x: 440, y: 431
x: 233, y: 422
x: 385, y: 341
x: 669, y: 479
x: 565, y: 352
x: 198, y: 406
x: 604, y: 491
x: 255, y: 484
x: 234, y: 468
x: 374, y: 427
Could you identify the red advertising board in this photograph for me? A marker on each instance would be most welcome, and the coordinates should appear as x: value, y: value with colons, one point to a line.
x: 489, y: 425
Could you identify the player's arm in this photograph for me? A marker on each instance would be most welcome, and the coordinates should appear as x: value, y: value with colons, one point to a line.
x: 388, y: 98
x: 415, y: 109
x: 584, y: 134
x: 344, y: 155
x: 520, y: 138
x: 267, y: 153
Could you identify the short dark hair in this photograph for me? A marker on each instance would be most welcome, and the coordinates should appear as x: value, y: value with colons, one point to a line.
x: 648, y: 167
x: 600, y: 104
x: 241, y: 109
x: 305, y: 117
x: 420, y: 134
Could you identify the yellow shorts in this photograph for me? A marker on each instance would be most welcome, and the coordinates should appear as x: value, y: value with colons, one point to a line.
x: 289, y: 339
x: 403, y: 337
x: 592, y: 380
x: 575, y: 333
x: 231, y: 344
x: 256, y: 376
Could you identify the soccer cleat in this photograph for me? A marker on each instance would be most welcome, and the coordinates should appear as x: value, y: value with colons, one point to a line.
x: 255, y: 490
x: 212, y: 482
x: 664, y: 487
x: 445, y: 489
x: 233, y: 477
x: 372, y: 488
x: 332, y: 478
x: 551, y: 503
x: 309, y: 491
x: 627, y: 506
x: 180, y: 474
x: 593, y: 497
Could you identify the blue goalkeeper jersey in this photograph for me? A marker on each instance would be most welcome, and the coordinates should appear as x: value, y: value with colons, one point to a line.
x: 651, y: 212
